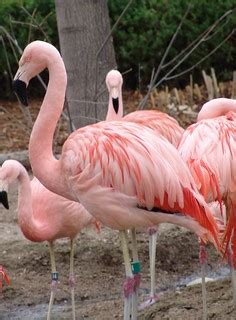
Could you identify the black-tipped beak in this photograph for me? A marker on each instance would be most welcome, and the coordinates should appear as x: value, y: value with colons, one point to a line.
x: 19, y: 87
x: 4, y: 199
x: 115, y: 102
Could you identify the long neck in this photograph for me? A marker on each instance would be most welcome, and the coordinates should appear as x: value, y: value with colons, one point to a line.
x: 25, y: 210
x: 44, y: 165
x: 216, y: 108
x: 112, y: 115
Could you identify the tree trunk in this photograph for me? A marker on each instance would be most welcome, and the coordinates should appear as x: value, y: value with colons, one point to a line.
x: 83, y: 27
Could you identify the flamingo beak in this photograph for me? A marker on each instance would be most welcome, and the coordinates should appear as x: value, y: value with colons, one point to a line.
x: 4, y: 199
x: 115, y: 99
x: 20, y: 83
x: 19, y: 88
x: 115, y: 103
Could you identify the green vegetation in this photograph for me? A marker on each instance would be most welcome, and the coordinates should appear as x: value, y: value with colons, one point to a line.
x: 141, y: 37
x: 148, y: 26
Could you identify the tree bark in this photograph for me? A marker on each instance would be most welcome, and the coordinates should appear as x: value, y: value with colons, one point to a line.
x: 83, y: 27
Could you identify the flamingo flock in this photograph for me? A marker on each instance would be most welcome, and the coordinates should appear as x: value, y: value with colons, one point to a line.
x: 125, y: 173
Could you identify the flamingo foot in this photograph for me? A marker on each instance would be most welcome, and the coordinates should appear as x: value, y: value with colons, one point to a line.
x: 150, y: 301
x: 129, y: 286
x: 152, y: 230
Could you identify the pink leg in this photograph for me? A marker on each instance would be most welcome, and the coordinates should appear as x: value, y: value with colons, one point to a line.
x: 203, y: 259
x: 152, y: 231
x: 233, y: 272
x: 136, y: 269
x: 72, y: 277
x: 54, y: 281
x: 128, y: 286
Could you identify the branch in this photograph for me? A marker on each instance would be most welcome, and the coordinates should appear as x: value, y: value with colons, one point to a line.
x: 89, y: 118
x: 30, y: 26
x: 202, y: 39
x: 13, y: 40
x: 45, y: 18
x: 24, y: 23
x: 202, y: 36
x: 36, y: 23
x: 203, y: 59
x: 86, y: 101
x: 154, y: 78
x: 6, y: 57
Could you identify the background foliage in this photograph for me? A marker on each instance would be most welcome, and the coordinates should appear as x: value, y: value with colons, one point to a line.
x: 140, y: 39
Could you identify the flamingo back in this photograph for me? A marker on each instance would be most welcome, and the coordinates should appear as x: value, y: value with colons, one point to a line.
x: 160, y: 122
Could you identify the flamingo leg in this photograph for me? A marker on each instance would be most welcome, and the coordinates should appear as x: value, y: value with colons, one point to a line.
x: 233, y: 280
x: 152, y: 260
x: 54, y: 281
x: 129, y: 281
x: 136, y: 272
x: 203, y: 258
x: 233, y: 273
x: 152, y: 249
x: 72, y: 277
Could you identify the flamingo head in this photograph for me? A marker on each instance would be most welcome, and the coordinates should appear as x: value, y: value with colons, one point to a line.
x: 3, y: 188
x: 4, y: 199
x: 35, y: 58
x: 114, y: 83
x: 9, y: 173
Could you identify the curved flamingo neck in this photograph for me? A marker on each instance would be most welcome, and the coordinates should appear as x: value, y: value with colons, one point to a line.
x: 216, y: 108
x: 111, y: 113
x: 25, y: 211
x: 44, y: 165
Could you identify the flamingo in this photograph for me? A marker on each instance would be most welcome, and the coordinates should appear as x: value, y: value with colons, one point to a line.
x: 160, y: 122
x: 119, y: 171
x: 208, y: 147
x: 163, y: 125
x: 45, y: 216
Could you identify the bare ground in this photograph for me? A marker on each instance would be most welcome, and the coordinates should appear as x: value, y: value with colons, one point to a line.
x: 99, y: 269
x: 99, y: 275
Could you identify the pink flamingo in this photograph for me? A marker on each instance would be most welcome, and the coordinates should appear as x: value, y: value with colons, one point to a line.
x: 208, y: 147
x: 45, y: 216
x: 163, y: 125
x: 119, y: 171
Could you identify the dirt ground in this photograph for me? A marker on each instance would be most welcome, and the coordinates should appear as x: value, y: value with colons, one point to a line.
x: 100, y: 271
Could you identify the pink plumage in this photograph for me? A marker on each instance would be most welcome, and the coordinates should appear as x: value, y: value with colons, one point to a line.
x: 208, y: 147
